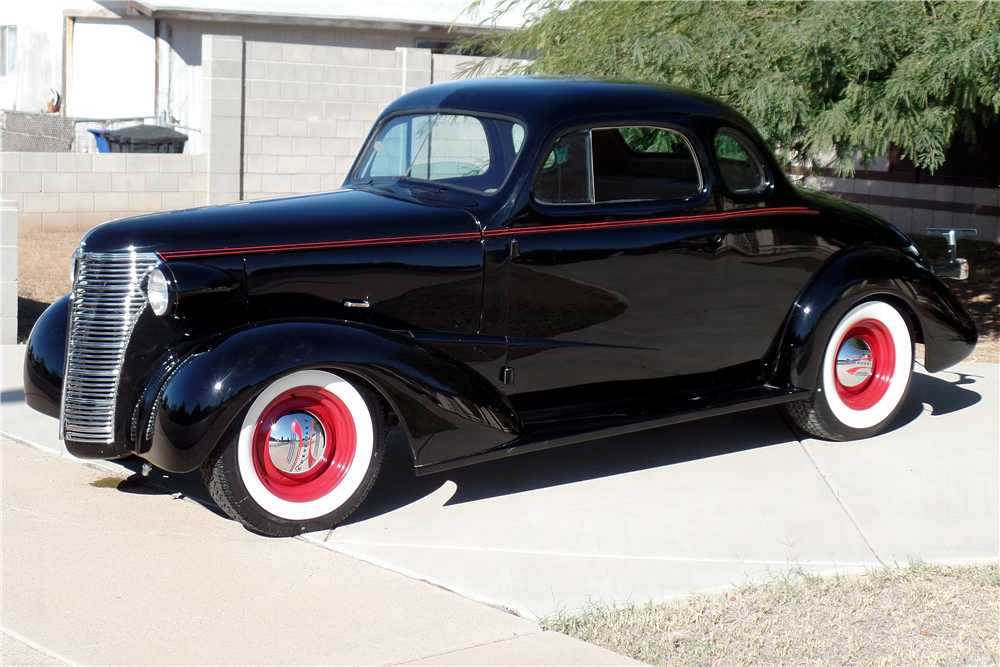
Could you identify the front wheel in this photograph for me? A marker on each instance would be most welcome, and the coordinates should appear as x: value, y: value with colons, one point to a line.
x: 306, y: 452
x: 865, y: 374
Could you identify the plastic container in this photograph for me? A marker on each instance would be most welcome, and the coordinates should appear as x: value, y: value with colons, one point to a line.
x: 145, y: 139
x: 102, y: 143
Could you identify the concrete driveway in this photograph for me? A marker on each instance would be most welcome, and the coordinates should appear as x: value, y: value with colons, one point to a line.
x: 667, y: 512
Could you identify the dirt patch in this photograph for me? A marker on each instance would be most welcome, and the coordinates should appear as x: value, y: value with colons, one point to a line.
x: 43, y: 263
x: 918, y: 615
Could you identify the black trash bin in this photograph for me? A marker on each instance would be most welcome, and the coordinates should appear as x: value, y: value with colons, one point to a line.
x: 145, y: 139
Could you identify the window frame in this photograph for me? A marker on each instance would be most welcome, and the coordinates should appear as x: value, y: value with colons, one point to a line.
x: 4, y: 65
x: 766, y: 179
x: 691, y: 146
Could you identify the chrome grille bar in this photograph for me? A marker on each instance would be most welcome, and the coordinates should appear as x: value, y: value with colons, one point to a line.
x: 106, y: 303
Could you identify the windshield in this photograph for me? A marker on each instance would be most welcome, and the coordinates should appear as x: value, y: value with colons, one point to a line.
x: 469, y: 152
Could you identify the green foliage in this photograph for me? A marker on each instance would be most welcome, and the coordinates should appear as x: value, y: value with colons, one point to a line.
x: 818, y: 79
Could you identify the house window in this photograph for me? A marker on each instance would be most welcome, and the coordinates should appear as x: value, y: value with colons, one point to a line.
x: 8, y: 50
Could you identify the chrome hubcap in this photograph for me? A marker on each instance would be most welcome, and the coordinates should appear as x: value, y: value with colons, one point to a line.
x: 296, y: 443
x: 854, y: 362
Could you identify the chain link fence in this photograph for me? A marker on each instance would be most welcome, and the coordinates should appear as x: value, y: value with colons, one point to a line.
x: 21, y: 131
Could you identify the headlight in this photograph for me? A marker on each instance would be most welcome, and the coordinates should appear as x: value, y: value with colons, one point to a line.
x: 158, y: 291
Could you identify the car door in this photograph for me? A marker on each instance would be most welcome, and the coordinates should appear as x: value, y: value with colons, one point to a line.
x: 615, y: 290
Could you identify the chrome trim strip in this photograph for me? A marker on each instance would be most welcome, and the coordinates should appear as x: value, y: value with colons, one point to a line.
x: 105, y: 303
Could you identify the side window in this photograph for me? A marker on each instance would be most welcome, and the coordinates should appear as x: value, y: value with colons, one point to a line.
x: 454, y: 147
x: 643, y: 164
x: 618, y: 164
x: 740, y: 168
x: 565, y: 174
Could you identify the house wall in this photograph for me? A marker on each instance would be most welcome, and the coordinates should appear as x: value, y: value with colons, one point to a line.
x: 74, y: 192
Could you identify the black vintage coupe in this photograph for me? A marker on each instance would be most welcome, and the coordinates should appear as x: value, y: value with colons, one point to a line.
x: 512, y: 264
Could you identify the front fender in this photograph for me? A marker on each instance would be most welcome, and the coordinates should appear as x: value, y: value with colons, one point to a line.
x: 45, y: 359
x: 446, y: 409
x: 939, y: 319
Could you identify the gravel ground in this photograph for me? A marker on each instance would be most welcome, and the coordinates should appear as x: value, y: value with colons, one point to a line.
x: 917, y: 615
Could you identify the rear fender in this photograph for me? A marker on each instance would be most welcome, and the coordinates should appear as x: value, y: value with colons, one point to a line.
x: 446, y: 409
x: 938, y: 318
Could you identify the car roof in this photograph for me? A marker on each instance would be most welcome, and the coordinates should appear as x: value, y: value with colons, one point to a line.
x: 550, y: 99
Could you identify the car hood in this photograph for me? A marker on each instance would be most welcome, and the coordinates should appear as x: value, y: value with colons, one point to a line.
x: 342, y: 215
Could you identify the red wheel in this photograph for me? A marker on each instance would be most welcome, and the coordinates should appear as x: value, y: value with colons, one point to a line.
x: 307, y: 451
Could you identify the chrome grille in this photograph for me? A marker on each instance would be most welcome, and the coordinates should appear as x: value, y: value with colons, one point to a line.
x: 106, y: 303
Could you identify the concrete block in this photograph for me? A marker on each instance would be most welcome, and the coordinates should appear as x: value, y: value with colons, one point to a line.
x: 222, y: 69
x: 128, y: 182
x: 266, y: 51
x: 265, y: 89
x: 279, y: 108
x: 223, y: 183
x: 884, y: 212
x: 111, y: 201
x: 903, y: 190
x: 29, y: 222
x: 292, y: 164
x: 21, y: 182
x: 390, y: 77
x: 295, y: 90
x: 251, y: 183
x: 216, y: 88
x: 255, y: 69
x: 327, y: 55
x: 279, y: 71
x: 922, y: 219
x: 78, y: 162
x: 296, y: 53
x: 988, y: 226
x: 305, y: 183
x: 382, y: 58
x: 253, y: 145
x: 344, y: 163
x: 902, y: 218
x: 121, y: 216
x: 144, y: 201
x: 224, y: 107
x: 338, y: 74
x: 41, y: 203
x: 59, y: 182
x: 8, y: 264
x: 324, y: 92
x: 253, y: 107
x: 10, y: 162
x: 196, y: 181
x: 225, y: 145
x: 224, y: 163
x: 986, y: 196
x: 322, y: 128
x: 364, y: 111
x: 277, y: 145
x: 310, y: 73
x: 161, y: 182
x: 413, y: 79
x: 292, y: 127
x: 365, y: 76
x: 276, y: 183
x: 87, y: 221
x: 944, y: 192
x: 351, y: 93
x: 42, y: 162
x: 307, y: 110
x: 383, y: 94
x: 962, y: 220
x: 862, y: 186
x: 963, y: 195
x: 110, y: 162
x: 328, y: 182
x: 15, y: 199
x: 339, y: 147
x: 337, y: 110
x: 173, y: 201
x: 262, y: 164
x: 321, y: 164
x: 199, y: 162
x: 91, y: 182
x: 351, y: 129
x: 8, y: 300
x: 142, y: 162
x: 175, y: 163
x: 944, y: 219
x: 357, y: 143
x: 8, y: 328
x: 8, y: 223
x: 356, y: 57
x: 221, y: 47
x: 76, y: 202
x: 59, y: 222
x: 262, y: 126
x: 306, y: 146
x: 924, y: 191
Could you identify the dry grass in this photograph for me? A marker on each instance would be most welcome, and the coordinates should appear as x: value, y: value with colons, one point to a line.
x: 922, y: 614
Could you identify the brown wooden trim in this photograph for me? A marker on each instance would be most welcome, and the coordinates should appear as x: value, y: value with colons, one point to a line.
x: 905, y: 202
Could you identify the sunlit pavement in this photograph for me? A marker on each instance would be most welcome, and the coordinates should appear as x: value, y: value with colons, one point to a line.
x: 666, y: 512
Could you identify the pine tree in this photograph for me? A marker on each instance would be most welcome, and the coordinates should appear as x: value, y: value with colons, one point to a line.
x: 818, y: 79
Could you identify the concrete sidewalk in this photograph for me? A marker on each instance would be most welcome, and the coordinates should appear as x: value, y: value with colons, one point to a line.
x: 686, y: 508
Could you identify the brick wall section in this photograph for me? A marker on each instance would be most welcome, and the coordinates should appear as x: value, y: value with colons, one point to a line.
x: 74, y: 192
x: 8, y: 272
x: 913, y: 207
x: 222, y: 115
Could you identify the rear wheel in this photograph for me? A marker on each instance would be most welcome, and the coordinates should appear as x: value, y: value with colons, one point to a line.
x: 865, y: 374
x: 301, y: 458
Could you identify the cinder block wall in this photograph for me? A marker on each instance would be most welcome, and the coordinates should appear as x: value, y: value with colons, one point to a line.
x: 74, y: 192
x: 8, y: 272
